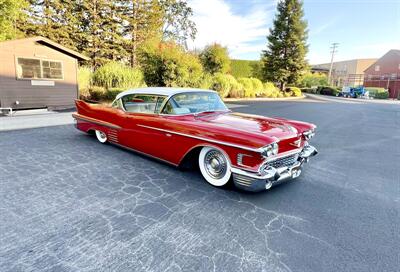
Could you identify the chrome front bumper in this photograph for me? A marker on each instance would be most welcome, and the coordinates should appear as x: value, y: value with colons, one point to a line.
x: 270, y: 176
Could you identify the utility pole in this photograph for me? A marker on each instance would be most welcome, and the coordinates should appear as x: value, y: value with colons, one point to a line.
x: 333, y: 52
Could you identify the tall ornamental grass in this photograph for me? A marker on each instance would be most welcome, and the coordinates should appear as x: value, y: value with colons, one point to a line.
x: 84, y: 80
x: 118, y: 75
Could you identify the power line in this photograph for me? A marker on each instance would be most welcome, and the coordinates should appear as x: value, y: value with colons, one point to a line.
x: 333, y: 52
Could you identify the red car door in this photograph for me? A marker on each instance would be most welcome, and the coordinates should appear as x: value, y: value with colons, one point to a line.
x: 140, y: 135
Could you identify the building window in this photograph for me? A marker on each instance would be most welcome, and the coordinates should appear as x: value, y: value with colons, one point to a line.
x: 52, y: 69
x: 377, y: 68
x: 39, y: 69
x: 29, y: 68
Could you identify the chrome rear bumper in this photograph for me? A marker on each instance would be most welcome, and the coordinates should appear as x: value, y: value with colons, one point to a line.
x: 270, y: 176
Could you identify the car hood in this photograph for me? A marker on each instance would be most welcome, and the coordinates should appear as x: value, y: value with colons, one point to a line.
x: 271, y: 127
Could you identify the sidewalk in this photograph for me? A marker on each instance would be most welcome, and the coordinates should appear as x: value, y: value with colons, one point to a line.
x: 35, y: 119
x: 351, y: 100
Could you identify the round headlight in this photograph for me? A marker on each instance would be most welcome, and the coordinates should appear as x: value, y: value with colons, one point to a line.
x: 309, y: 134
x: 275, y: 148
x: 270, y: 150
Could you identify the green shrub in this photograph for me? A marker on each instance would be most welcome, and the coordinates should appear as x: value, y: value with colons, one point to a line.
x: 328, y: 90
x: 309, y: 90
x: 215, y: 59
x: 244, y: 68
x: 237, y: 90
x: 167, y: 64
x: 113, y: 92
x: 269, y: 90
x: 204, y: 82
x: 248, y: 87
x: 293, y: 91
x: 257, y: 86
x: 378, y: 93
x: 117, y: 75
x: 84, y: 78
x: 312, y: 80
x: 97, y: 93
x: 222, y: 84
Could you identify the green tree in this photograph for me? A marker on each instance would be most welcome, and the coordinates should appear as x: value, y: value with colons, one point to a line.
x: 142, y: 21
x: 11, y: 15
x: 215, y: 59
x: 167, y: 64
x: 284, y: 60
x: 311, y: 80
x: 177, y: 24
x: 101, y: 33
x: 53, y: 19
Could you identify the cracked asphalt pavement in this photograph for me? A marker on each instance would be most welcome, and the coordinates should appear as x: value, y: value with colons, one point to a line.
x: 68, y: 203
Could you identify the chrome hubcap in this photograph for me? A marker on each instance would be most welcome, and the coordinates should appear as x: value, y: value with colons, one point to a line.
x: 215, y: 164
x: 102, y: 135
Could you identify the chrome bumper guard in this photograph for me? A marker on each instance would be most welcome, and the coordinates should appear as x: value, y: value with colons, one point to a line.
x: 270, y: 176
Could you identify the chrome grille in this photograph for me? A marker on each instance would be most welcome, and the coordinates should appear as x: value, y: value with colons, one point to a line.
x: 285, y: 161
x: 243, y: 180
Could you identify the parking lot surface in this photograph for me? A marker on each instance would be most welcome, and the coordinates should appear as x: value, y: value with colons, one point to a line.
x: 68, y: 203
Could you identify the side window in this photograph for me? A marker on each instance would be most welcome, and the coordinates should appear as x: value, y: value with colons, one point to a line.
x: 142, y: 103
x: 116, y: 104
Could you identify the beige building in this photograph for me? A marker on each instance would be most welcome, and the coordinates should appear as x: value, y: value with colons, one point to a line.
x: 37, y: 73
x: 346, y: 73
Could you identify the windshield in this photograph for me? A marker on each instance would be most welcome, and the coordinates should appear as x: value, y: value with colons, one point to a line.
x: 194, y: 102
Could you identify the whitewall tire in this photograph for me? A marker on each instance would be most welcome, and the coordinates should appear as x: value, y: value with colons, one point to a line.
x: 214, y: 166
x: 101, y: 136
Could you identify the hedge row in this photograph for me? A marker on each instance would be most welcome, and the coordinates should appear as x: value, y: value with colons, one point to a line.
x: 378, y: 93
x: 243, y: 68
x: 228, y: 86
x: 374, y: 92
x: 325, y: 90
x: 107, y: 81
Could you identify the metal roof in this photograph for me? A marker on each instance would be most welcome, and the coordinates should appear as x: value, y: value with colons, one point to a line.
x: 51, y: 44
x: 167, y: 91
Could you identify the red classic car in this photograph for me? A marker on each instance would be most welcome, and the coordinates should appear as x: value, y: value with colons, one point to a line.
x: 182, y: 126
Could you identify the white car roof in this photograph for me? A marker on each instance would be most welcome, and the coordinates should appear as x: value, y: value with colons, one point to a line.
x: 160, y: 91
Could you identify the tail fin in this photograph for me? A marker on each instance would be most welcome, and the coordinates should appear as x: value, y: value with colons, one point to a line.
x: 81, y: 106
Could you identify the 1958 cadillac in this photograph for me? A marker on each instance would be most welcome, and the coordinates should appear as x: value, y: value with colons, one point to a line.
x: 183, y: 126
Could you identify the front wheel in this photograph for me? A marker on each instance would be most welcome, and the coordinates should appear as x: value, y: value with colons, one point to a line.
x: 214, y: 166
x: 101, y: 136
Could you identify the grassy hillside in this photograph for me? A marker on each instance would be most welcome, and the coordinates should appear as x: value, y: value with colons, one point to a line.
x: 242, y: 68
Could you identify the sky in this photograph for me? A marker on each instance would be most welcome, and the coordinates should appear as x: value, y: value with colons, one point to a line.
x: 363, y: 28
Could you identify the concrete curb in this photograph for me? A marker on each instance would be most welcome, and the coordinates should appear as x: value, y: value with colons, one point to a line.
x: 8, y: 123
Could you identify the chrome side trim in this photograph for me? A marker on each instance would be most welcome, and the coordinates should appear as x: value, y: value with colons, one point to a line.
x: 94, y: 121
x: 203, y: 139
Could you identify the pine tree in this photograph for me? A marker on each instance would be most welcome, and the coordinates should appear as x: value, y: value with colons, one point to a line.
x: 11, y: 16
x: 53, y: 19
x: 143, y: 20
x: 284, y: 60
x: 102, y: 35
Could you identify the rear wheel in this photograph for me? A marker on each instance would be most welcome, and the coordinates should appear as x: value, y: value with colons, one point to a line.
x: 214, y: 166
x: 101, y: 136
